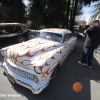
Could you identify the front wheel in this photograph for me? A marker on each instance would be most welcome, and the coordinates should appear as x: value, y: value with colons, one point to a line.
x: 54, y: 72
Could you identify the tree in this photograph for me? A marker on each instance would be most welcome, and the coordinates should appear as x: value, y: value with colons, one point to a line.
x: 73, y: 15
x: 36, y: 11
x: 48, y: 12
x: 13, y: 11
x: 17, y: 11
x: 67, y: 16
x: 75, y: 7
x: 96, y: 11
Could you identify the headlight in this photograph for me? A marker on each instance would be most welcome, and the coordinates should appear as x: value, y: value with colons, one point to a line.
x: 35, y: 79
x: 37, y: 70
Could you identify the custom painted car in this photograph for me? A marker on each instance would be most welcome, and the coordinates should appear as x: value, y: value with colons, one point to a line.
x: 33, y: 63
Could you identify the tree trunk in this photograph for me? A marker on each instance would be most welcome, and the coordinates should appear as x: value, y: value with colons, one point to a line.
x: 73, y: 18
x: 71, y: 12
x: 67, y: 15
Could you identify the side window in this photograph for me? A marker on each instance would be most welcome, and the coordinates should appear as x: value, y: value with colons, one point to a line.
x: 18, y: 29
x: 5, y: 29
x: 66, y: 37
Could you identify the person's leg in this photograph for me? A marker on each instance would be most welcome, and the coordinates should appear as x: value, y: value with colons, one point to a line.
x: 90, y: 56
x: 84, y: 55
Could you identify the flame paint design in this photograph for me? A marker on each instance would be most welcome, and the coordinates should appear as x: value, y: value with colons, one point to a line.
x: 36, y: 52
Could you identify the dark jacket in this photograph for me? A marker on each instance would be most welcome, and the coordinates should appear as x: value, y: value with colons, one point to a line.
x: 93, y: 37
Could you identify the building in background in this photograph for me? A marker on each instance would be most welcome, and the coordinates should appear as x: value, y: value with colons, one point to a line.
x: 79, y: 23
x: 91, y: 19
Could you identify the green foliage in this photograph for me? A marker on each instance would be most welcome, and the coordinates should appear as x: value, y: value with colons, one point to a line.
x: 87, y: 2
x: 12, y: 11
x: 83, y: 27
x: 96, y: 11
x: 47, y: 11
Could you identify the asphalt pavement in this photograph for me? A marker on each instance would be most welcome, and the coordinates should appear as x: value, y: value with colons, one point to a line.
x: 72, y: 82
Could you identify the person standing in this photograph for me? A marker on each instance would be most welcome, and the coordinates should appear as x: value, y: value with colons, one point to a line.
x: 92, y: 41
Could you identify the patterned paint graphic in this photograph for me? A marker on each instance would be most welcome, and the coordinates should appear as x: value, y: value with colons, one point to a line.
x: 37, y: 52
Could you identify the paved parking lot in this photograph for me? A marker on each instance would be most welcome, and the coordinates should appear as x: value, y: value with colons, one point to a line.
x: 72, y: 82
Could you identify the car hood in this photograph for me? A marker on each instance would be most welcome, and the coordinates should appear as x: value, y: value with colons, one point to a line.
x: 28, y: 53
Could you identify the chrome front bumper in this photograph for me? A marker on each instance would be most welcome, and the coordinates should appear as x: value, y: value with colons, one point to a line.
x: 22, y: 82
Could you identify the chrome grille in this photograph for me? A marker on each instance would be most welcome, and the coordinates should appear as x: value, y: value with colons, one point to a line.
x: 20, y: 72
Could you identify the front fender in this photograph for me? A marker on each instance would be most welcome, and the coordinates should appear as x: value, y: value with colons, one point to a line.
x: 48, y: 61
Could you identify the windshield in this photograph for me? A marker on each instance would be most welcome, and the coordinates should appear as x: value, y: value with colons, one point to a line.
x: 50, y: 36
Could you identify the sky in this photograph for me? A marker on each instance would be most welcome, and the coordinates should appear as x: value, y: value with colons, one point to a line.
x: 87, y: 11
x: 25, y: 1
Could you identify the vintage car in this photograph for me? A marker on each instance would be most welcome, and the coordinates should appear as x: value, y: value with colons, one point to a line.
x: 13, y: 33
x: 33, y: 63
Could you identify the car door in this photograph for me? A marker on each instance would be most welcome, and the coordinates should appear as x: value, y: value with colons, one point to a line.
x: 67, y: 45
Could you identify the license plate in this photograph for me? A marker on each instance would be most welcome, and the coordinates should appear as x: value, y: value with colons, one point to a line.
x: 10, y: 78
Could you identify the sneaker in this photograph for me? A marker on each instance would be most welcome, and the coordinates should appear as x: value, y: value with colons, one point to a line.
x: 88, y: 66
x: 81, y: 63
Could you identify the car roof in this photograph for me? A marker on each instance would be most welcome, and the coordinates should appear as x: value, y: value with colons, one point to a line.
x: 56, y: 30
x: 12, y: 24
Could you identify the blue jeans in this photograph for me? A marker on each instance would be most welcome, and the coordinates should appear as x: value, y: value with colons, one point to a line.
x: 87, y: 56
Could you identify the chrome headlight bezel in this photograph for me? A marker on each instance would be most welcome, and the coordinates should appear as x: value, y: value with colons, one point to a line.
x: 37, y: 70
